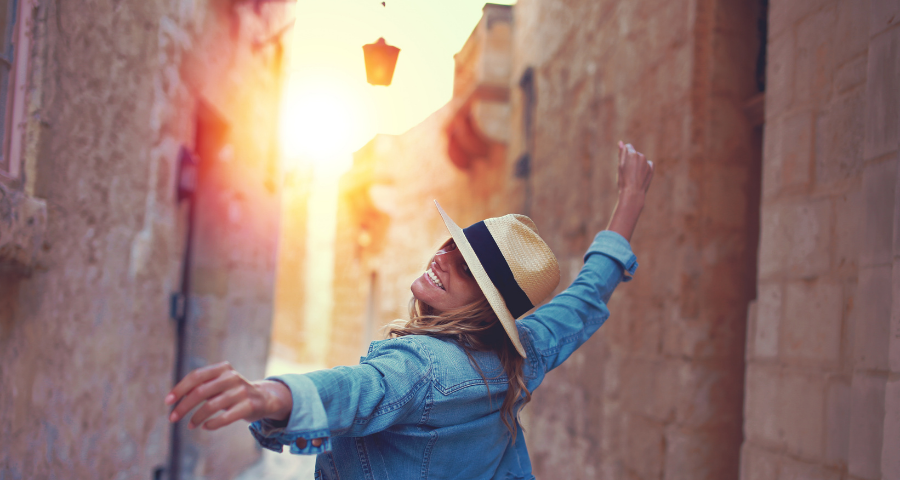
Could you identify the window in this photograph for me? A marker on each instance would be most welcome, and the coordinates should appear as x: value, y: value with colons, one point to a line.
x: 14, y: 48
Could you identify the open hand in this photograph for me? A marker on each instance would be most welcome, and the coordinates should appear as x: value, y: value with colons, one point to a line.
x: 225, y: 390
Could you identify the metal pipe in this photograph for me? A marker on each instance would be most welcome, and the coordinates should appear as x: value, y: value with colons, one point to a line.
x: 179, y: 307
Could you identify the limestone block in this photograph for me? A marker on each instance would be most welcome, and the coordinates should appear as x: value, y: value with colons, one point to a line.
x: 815, y: 57
x: 800, y: 411
x: 725, y: 199
x: 837, y: 422
x: 757, y: 463
x: 795, y: 239
x: 866, y: 426
x: 839, y: 136
x: 785, y: 410
x: 879, y: 187
x: 675, y: 67
x: 768, y: 320
x: 850, y: 74
x: 882, y: 94
x: 882, y: 14
x: 649, y: 387
x: 706, y: 394
x: 812, y: 322
x: 23, y: 221
x: 890, y: 458
x: 795, y: 470
x: 706, y: 323
x: 644, y: 449
x: 761, y: 423
x: 851, y: 36
x: 706, y: 454
x: 788, y: 154
x: 779, y: 73
x: 783, y: 14
x: 872, y: 318
x: 848, y: 230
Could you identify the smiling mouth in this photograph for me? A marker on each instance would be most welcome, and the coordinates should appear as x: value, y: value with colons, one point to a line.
x: 434, y: 279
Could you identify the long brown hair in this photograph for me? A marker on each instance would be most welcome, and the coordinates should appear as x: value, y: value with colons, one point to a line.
x: 474, y: 327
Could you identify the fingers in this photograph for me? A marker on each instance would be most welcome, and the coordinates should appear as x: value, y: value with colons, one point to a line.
x: 205, y: 391
x: 238, y: 411
x: 198, y: 376
x: 200, y: 385
x: 222, y: 401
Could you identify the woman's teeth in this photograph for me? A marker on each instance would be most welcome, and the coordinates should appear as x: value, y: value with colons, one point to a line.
x: 434, y: 278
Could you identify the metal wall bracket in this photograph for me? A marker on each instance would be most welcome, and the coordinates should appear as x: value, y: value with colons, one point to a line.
x: 178, y: 307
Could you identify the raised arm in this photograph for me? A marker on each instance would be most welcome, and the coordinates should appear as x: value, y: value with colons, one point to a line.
x: 554, y: 331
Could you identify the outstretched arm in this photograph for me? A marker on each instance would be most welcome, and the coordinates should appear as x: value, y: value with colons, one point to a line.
x: 554, y: 331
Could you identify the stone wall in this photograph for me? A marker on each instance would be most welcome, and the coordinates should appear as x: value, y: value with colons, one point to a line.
x: 673, y: 78
x: 86, y: 342
x: 821, y: 389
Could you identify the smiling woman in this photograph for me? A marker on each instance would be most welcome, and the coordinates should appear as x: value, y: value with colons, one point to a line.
x: 450, y: 380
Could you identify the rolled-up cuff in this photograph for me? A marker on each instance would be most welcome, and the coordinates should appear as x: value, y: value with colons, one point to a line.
x: 614, y: 246
x: 307, y: 421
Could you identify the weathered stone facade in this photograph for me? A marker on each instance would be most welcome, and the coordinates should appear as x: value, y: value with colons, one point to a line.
x: 673, y: 78
x: 87, y: 346
x: 821, y: 396
x: 757, y: 340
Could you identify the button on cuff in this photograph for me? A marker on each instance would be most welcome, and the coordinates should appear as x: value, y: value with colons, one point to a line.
x: 311, y: 443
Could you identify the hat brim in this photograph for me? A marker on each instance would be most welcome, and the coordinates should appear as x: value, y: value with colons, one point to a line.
x: 484, y: 281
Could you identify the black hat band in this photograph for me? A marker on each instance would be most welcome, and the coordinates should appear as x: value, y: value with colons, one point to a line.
x: 498, y: 270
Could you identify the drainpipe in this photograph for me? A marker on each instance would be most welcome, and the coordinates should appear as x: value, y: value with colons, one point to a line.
x: 187, y: 187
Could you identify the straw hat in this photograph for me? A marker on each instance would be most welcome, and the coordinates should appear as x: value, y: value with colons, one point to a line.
x: 511, y: 263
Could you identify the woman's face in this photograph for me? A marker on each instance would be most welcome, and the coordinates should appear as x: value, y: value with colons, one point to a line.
x: 447, y: 283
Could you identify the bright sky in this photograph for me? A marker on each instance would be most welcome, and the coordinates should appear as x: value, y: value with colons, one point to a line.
x: 329, y: 108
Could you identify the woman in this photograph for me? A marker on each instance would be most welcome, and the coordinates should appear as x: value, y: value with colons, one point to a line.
x: 439, y: 398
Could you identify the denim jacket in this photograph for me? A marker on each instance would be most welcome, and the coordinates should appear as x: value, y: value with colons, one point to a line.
x: 415, y: 407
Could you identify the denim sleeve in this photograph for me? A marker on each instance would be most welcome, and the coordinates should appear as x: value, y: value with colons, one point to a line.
x: 388, y: 387
x: 554, y: 331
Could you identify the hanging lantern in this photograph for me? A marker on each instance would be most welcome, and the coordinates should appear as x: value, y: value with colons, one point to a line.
x: 381, y: 59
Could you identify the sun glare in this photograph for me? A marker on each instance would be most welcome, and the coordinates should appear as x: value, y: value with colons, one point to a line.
x: 329, y: 111
x: 321, y: 120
